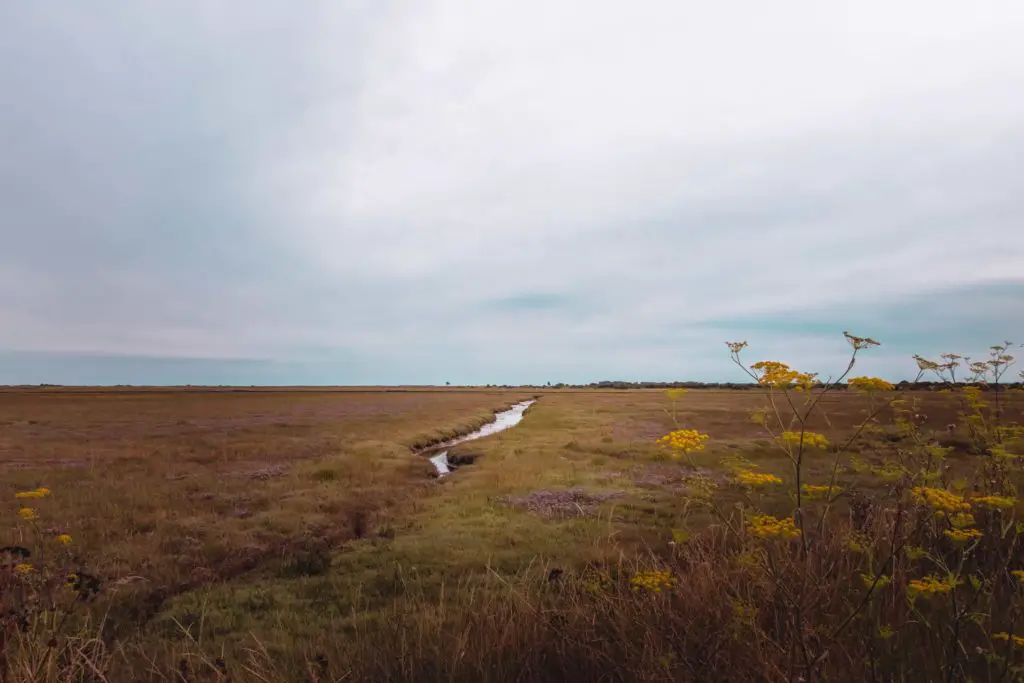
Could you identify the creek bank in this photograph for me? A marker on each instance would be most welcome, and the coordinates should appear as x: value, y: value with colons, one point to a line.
x: 503, y: 420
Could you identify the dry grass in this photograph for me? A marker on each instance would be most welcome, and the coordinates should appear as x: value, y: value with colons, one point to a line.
x: 187, y: 488
x: 296, y: 533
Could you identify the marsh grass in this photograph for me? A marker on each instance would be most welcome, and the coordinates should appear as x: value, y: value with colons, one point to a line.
x: 352, y: 563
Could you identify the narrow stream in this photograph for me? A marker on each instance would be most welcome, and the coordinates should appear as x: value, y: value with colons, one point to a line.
x: 502, y: 421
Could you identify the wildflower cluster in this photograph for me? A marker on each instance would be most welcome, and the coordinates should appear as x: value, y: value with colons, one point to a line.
x: 772, y: 373
x: 808, y: 439
x: 869, y: 384
x: 961, y: 520
x: 40, y: 492
x: 756, y: 479
x: 959, y: 532
x: 1017, y: 640
x: 767, y: 526
x: 877, y: 582
x: 1001, y: 502
x: 654, y: 581
x: 813, y: 491
x: 932, y: 584
x: 27, y: 514
x: 939, y: 499
x: 963, y: 535
x: 684, y: 440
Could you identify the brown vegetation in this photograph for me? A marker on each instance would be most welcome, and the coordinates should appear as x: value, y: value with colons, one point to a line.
x: 296, y: 536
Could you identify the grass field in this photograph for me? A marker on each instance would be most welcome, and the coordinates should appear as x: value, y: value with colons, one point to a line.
x: 297, y: 535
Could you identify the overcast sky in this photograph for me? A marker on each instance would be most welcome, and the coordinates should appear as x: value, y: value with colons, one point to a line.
x: 328, y: 192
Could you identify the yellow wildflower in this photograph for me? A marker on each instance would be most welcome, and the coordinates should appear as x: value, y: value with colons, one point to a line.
x: 939, y: 499
x: 755, y: 479
x: 973, y: 396
x: 961, y: 520
x: 775, y: 374
x: 1002, y: 502
x: 27, y: 514
x: 813, y: 491
x: 1017, y: 640
x: 40, y: 492
x: 684, y: 440
x: 809, y: 439
x: 869, y: 384
x: 23, y: 569
x: 878, y: 582
x: 963, y: 535
x: 653, y: 581
x: 64, y: 539
x: 932, y: 584
x: 1019, y: 573
x: 915, y: 552
x: 767, y: 526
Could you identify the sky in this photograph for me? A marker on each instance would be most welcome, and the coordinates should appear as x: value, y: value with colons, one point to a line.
x: 430, y: 191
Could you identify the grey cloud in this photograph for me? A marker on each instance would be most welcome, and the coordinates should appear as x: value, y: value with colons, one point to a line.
x: 427, y: 189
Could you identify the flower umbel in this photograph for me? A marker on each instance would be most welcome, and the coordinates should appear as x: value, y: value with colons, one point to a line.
x: 1001, y: 502
x: 869, y: 384
x: 28, y: 514
x: 772, y: 373
x: 813, y: 491
x: 653, y: 581
x: 41, y: 492
x: 1017, y: 640
x: 939, y: 499
x: 684, y: 440
x: 23, y: 569
x: 755, y: 479
x: 860, y: 343
x: 767, y: 526
x: 963, y: 535
x: 932, y: 584
x: 64, y: 539
x: 961, y: 520
x: 809, y: 439
x: 880, y: 581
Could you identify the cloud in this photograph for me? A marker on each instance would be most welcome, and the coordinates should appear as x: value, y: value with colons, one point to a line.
x: 422, y: 192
